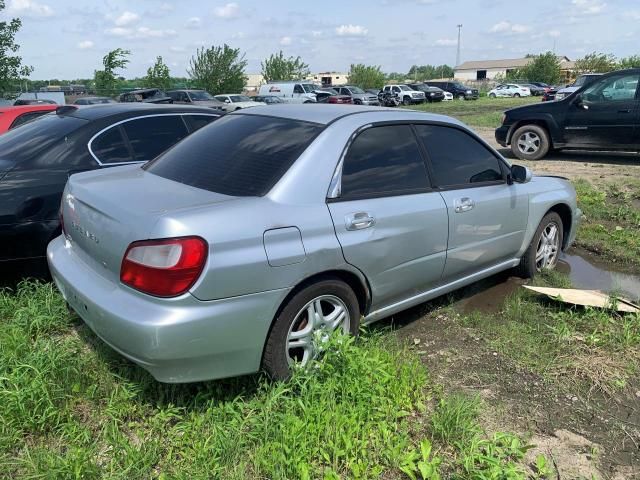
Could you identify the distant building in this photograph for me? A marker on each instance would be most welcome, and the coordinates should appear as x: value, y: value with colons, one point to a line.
x: 254, y: 80
x: 489, y: 69
x: 327, y: 79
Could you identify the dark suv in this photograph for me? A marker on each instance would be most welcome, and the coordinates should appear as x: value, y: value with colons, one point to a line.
x: 456, y: 89
x: 601, y: 115
x: 432, y: 94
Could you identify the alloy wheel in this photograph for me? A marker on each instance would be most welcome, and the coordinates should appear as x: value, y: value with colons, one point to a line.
x: 312, y: 327
x: 548, y: 247
x: 529, y: 143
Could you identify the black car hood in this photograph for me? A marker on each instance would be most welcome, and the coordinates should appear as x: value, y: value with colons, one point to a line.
x: 542, y: 107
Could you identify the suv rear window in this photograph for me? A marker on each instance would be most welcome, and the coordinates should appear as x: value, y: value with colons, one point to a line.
x: 239, y: 155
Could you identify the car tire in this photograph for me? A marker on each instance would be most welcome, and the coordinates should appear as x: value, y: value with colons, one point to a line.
x: 545, y: 247
x: 308, y: 101
x: 516, y: 95
x: 406, y: 101
x: 492, y: 95
x: 357, y: 102
x: 461, y: 97
x: 279, y: 355
x: 530, y: 142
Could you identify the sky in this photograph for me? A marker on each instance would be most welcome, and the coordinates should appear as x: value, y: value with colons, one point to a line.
x: 67, y: 39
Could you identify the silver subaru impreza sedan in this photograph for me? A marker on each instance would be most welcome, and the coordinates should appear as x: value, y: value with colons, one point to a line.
x: 246, y: 244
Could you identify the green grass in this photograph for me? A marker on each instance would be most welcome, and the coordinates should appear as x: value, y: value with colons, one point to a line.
x: 70, y: 408
x: 611, y: 226
x: 484, y: 112
x: 590, y: 348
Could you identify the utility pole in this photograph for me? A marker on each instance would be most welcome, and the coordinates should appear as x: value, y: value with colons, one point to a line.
x: 458, y: 52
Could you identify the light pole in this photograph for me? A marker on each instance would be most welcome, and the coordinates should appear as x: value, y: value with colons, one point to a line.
x: 458, y: 52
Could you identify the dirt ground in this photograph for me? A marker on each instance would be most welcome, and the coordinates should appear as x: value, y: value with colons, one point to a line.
x: 584, y: 437
x: 593, y: 166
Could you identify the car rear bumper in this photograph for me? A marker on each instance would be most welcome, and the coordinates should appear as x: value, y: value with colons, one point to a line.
x: 501, y: 135
x: 177, y: 340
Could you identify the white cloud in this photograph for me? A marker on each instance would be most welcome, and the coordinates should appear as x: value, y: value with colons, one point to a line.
x: 284, y: 41
x: 316, y: 33
x: 126, y: 18
x: 29, y: 8
x: 176, y: 49
x: 633, y: 14
x: 140, y: 32
x: 230, y: 10
x: 588, y: 7
x: 351, y: 30
x: 446, y: 42
x: 166, y: 7
x: 554, y: 33
x: 85, y: 44
x: 194, y: 22
x: 509, y: 28
x: 238, y: 35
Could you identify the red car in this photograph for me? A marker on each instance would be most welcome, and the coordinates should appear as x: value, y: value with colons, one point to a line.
x: 12, y: 117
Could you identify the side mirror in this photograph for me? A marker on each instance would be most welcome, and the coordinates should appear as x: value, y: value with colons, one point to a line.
x: 520, y: 174
x: 579, y: 102
x: 226, y: 100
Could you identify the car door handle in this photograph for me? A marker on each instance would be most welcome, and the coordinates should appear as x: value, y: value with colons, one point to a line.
x: 628, y: 110
x: 359, y: 221
x: 464, y: 204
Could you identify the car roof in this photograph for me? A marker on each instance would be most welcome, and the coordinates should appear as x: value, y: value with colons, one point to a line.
x: 325, y: 114
x: 94, y: 112
x: 186, y: 90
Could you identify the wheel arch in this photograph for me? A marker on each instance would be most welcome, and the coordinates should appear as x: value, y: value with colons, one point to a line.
x: 564, y: 211
x: 545, y: 123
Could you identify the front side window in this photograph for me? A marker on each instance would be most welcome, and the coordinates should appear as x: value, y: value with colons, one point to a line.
x: 150, y: 136
x: 111, y: 147
x: 383, y: 161
x: 239, y: 155
x: 298, y: 89
x: 622, y: 88
x: 458, y: 159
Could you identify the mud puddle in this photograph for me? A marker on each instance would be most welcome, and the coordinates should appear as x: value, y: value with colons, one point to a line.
x: 588, y: 273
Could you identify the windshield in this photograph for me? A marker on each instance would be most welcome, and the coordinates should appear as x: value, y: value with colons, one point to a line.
x: 356, y: 90
x: 458, y: 85
x: 37, y: 135
x: 239, y: 98
x: 309, y: 87
x: 583, y: 79
x: 152, y: 94
x: 200, y: 95
x: 404, y: 88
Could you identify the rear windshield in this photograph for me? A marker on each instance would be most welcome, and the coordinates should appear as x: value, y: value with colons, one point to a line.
x: 36, y: 136
x: 239, y: 155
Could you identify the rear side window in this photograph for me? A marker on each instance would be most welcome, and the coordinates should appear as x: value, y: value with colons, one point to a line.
x: 457, y: 158
x: 25, y: 117
x: 239, y: 155
x: 111, y: 147
x: 383, y: 161
x: 150, y: 136
x: 196, y: 122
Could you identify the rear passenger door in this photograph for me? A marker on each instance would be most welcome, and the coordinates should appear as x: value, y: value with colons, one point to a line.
x: 487, y: 216
x: 390, y: 223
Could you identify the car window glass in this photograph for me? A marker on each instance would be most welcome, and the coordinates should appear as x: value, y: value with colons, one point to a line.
x: 196, y: 122
x: 457, y: 158
x: 240, y: 155
x: 150, y: 136
x: 383, y: 161
x: 25, y: 117
x: 298, y: 89
x: 610, y: 89
x: 111, y: 147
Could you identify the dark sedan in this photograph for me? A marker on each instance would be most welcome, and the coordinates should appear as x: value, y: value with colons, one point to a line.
x: 37, y: 158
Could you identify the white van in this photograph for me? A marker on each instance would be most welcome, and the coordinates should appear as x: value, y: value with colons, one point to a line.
x: 290, y: 92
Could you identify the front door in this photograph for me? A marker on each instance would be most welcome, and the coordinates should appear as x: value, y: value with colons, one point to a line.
x: 605, y: 114
x: 389, y: 222
x: 487, y: 216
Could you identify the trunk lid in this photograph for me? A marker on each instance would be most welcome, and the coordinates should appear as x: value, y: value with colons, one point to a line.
x: 105, y: 211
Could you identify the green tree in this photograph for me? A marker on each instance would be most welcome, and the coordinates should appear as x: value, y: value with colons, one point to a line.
x: 218, y: 69
x: 158, y: 75
x: 542, y: 68
x: 596, y: 63
x: 366, y: 76
x: 106, y: 80
x: 11, y: 68
x: 429, y: 72
x: 279, y: 68
x: 629, y: 62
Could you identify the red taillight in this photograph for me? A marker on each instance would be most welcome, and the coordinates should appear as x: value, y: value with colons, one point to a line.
x: 164, y: 268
